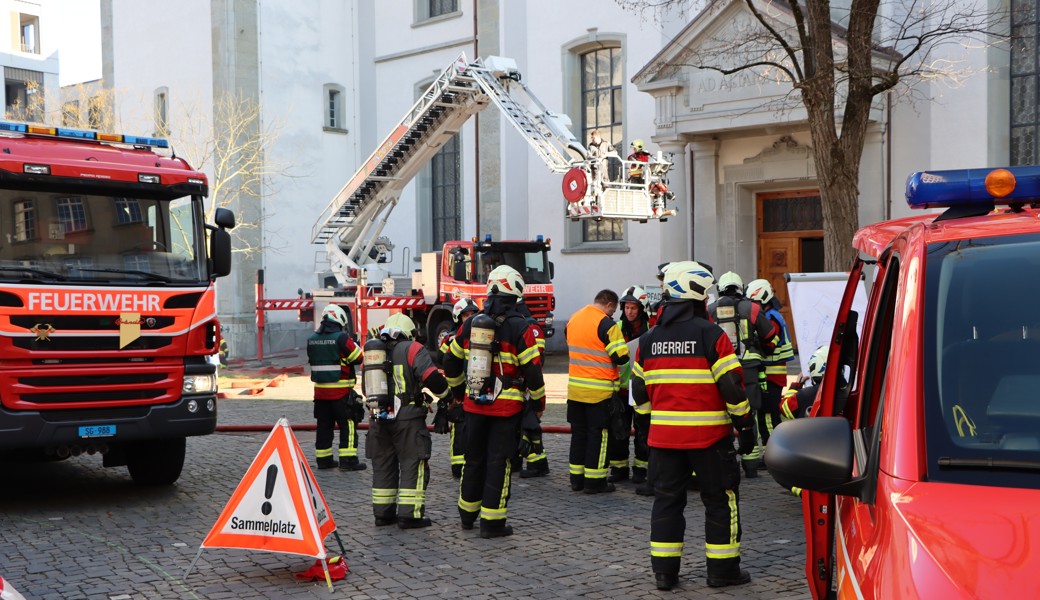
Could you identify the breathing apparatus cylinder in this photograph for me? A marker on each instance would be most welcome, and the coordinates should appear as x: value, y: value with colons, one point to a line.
x: 478, y: 369
x: 726, y: 317
x: 374, y: 382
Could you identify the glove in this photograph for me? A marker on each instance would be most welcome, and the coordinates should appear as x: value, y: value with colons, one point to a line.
x: 456, y: 414
x: 440, y: 420
x: 355, y: 407
x: 746, y: 440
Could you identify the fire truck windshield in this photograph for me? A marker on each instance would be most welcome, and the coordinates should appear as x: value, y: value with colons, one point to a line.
x: 100, y: 239
x: 981, y: 357
x: 533, y: 266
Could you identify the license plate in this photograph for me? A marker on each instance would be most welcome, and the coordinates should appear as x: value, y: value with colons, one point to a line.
x: 93, y: 431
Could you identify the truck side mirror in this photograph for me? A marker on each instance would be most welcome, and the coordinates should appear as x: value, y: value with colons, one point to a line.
x: 220, y: 252
x: 552, y: 270
x: 224, y: 218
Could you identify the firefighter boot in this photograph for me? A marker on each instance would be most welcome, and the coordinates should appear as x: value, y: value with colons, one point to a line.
x: 387, y: 520
x: 739, y: 577
x: 750, y: 468
x: 638, y: 474
x: 326, y: 463
x: 538, y: 468
x: 411, y: 523
x: 618, y: 474
x: 351, y: 464
x: 600, y: 487
x: 493, y: 531
x: 666, y: 581
x: 647, y: 489
x: 577, y: 482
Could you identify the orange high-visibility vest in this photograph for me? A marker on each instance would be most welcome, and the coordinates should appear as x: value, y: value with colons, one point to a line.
x: 593, y: 377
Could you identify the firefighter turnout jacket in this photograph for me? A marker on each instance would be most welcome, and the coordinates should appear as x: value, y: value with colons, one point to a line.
x: 332, y: 355
x: 414, y: 370
x: 693, y: 380
x: 596, y: 347
x: 776, y: 361
x: 516, y: 361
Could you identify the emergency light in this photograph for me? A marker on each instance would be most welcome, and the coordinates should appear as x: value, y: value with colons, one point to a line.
x: 973, y: 187
x: 82, y: 134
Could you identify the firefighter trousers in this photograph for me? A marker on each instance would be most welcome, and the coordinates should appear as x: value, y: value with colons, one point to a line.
x: 641, y: 423
x: 769, y: 416
x: 617, y: 450
x: 753, y: 389
x: 328, y: 414
x: 458, y: 446
x: 400, y: 452
x: 589, y: 441
x: 531, y: 438
x: 491, y: 444
x: 719, y: 477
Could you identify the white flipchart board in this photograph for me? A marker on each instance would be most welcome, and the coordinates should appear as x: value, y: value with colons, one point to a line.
x: 815, y: 299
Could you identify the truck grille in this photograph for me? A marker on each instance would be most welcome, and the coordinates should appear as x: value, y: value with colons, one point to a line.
x: 90, y: 343
x: 68, y: 386
x: 539, y: 305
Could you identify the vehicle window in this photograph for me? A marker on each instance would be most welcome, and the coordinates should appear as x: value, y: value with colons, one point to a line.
x: 98, y: 238
x: 981, y: 357
x: 533, y: 266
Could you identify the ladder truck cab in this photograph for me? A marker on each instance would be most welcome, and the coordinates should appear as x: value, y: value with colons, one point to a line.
x: 350, y: 226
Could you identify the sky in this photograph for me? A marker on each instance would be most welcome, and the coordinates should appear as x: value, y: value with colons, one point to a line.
x: 79, y: 46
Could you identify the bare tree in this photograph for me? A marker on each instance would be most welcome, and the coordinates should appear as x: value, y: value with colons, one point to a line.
x: 234, y: 149
x: 838, y: 61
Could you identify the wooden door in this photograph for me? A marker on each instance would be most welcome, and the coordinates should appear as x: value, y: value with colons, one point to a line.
x: 790, y: 234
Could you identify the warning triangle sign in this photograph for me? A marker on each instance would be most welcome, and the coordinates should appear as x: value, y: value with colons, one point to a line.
x: 278, y: 506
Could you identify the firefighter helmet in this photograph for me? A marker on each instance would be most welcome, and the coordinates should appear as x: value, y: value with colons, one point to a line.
x: 462, y: 306
x: 818, y: 363
x: 688, y: 280
x: 505, y: 281
x: 760, y: 290
x: 399, y: 325
x: 661, y: 268
x: 336, y: 314
x: 728, y: 280
x: 638, y: 145
x: 635, y: 294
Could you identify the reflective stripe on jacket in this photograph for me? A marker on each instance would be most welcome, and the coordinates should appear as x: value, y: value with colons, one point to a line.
x: 332, y: 357
x: 679, y: 366
x: 595, y: 347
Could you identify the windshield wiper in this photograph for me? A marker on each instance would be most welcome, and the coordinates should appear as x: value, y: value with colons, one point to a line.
x: 145, y: 274
x: 989, y: 463
x: 40, y: 272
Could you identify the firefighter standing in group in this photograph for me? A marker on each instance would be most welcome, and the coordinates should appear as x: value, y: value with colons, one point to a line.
x: 685, y: 367
x: 332, y: 354
x: 398, y: 443
x: 596, y: 349
x: 532, y: 450
x: 634, y: 322
x: 774, y: 364
x: 494, y: 359
x: 753, y: 336
x: 450, y: 417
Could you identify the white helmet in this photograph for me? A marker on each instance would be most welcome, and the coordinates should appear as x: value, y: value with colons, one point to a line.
x: 635, y: 294
x: 398, y: 325
x: 760, y: 290
x: 818, y: 363
x: 463, y: 305
x: 336, y: 314
x: 687, y: 280
x: 728, y: 280
x: 505, y: 281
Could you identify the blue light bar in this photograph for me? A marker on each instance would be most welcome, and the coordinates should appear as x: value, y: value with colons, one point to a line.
x: 14, y: 127
x: 82, y: 134
x: 487, y: 237
x: 539, y: 238
x: 966, y: 187
x: 146, y: 141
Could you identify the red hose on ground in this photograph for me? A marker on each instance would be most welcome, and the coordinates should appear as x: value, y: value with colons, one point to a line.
x: 260, y: 428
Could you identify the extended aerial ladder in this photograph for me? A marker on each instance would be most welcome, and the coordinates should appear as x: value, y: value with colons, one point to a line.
x: 351, y: 224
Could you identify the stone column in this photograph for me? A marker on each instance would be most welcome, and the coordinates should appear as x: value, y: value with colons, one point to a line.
x: 675, y: 233
x: 705, y: 214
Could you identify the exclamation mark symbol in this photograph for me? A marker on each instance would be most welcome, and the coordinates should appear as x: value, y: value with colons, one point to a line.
x: 272, y: 476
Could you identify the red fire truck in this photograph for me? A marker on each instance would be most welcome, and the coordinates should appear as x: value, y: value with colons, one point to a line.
x: 350, y: 226
x: 921, y: 462
x: 107, y: 311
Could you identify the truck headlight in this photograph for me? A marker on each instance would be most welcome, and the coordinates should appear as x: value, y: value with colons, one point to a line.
x: 548, y: 319
x: 199, y: 384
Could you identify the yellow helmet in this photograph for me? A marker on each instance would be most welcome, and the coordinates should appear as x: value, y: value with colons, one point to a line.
x: 639, y: 145
x: 399, y: 325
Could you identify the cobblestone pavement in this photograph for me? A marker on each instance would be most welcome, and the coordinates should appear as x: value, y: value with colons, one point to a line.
x: 73, y: 529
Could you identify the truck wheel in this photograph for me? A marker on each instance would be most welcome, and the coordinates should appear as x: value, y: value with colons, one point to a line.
x: 440, y: 331
x: 157, y: 462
